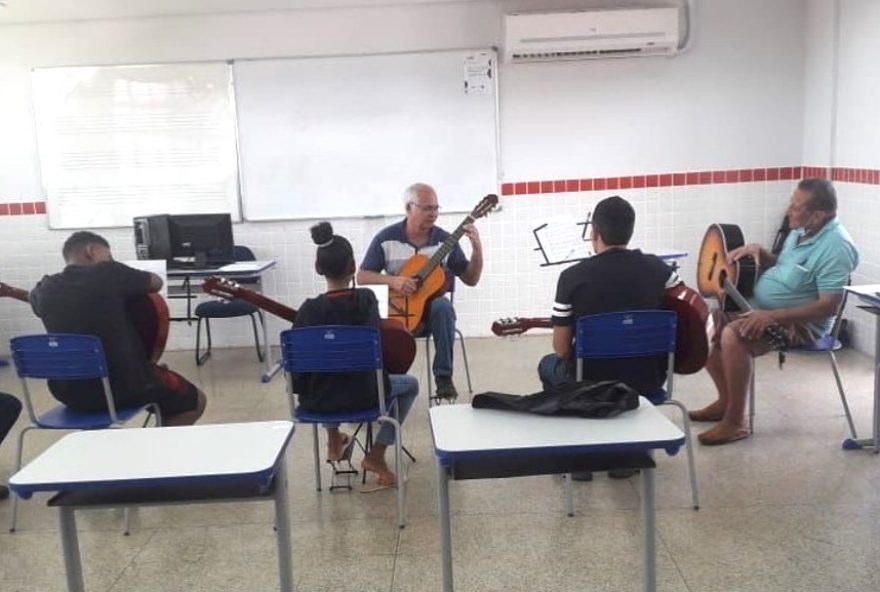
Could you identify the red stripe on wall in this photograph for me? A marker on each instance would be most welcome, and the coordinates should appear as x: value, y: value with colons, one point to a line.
x: 790, y: 173
x: 840, y: 174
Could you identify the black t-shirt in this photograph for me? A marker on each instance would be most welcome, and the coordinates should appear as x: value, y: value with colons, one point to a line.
x: 614, y: 281
x: 350, y: 391
x: 91, y: 300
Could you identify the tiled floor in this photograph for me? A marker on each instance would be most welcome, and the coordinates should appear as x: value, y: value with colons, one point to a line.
x: 785, y: 510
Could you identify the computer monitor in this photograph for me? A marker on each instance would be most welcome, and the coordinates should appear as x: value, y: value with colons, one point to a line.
x: 201, y: 240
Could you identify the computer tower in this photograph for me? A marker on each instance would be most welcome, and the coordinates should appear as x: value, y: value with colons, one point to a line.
x: 152, y: 237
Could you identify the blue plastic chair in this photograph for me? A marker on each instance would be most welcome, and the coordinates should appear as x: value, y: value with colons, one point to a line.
x: 228, y: 309
x: 336, y: 349
x: 827, y: 344
x: 636, y: 334
x: 65, y: 356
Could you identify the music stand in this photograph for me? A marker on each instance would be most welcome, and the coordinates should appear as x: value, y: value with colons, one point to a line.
x: 563, y: 242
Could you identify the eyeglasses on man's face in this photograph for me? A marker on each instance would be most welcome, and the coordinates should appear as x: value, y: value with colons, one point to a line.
x: 429, y: 209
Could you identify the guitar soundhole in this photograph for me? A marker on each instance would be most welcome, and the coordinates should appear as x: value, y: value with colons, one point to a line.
x: 712, y: 267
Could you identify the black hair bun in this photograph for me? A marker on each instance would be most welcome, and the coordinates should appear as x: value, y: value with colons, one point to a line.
x: 322, y: 233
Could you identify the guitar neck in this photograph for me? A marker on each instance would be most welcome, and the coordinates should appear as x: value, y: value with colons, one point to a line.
x: 737, y: 296
x: 14, y: 293
x: 445, y: 248
x: 267, y: 304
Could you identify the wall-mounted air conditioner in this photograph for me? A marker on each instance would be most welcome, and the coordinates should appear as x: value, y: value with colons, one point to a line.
x: 590, y: 34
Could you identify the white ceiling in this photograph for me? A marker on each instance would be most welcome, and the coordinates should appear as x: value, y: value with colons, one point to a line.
x: 31, y: 11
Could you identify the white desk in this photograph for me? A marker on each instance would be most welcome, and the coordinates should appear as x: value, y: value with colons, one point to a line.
x: 156, y: 466
x: 484, y: 443
x: 238, y: 270
x: 869, y: 294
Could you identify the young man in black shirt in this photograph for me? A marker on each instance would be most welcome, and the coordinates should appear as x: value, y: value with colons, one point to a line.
x: 614, y: 279
x: 89, y: 297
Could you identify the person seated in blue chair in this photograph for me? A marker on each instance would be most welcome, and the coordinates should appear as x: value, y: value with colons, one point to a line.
x: 90, y: 297
x: 614, y: 279
x: 418, y: 234
x: 10, y: 409
x: 799, y: 291
x: 343, y: 304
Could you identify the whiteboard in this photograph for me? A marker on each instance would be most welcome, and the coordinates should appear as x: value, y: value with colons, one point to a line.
x: 344, y: 136
x: 117, y: 142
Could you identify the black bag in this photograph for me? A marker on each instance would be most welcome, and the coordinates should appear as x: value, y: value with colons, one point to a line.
x: 589, y: 399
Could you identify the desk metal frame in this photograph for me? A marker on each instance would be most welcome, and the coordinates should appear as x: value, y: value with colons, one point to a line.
x: 108, y: 478
x: 559, y: 456
x: 870, y: 296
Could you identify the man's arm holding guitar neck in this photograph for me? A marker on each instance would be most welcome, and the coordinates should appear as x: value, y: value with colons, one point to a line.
x: 474, y: 270
x: 15, y: 293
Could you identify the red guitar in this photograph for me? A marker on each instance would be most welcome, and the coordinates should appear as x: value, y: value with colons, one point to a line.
x: 398, y: 344
x: 148, y: 313
x: 691, y: 340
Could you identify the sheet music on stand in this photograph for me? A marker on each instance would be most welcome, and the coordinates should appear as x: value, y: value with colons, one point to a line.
x: 563, y: 241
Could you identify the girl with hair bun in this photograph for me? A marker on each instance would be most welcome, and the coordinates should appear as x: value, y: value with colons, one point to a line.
x: 343, y: 304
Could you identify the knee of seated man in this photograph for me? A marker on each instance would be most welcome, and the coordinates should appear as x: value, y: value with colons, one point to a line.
x: 442, y: 307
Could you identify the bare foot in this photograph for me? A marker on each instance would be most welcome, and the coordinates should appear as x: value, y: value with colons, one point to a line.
x: 723, y: 433
x: 336, y: 446
x: 384, y: 476
x: 712, y: 412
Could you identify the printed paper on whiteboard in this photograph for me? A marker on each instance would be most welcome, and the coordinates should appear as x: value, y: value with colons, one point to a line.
x: 478, y: 73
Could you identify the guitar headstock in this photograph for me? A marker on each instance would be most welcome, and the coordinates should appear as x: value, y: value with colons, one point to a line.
x: 5, y: 290
x: 486, y: 205
x: 510, y: 326
x: 222, y: 287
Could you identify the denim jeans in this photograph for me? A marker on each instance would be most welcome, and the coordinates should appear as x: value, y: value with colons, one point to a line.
x: 441, y: 326
x: 554, y: 371
x: 404, y: 389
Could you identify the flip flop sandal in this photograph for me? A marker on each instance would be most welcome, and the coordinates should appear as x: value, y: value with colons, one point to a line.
x: 738, y: 435
x: 378, y: 485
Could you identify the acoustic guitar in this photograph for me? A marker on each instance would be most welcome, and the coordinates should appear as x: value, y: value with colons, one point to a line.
x: 149, y: 313
x: 691, y: 339
x: 429, y: 274
x: 398, y: 344
x: 732, y: 282
x: 718, y: 277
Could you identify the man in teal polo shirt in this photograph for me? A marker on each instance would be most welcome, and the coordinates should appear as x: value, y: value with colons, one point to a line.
x: 800, y: 290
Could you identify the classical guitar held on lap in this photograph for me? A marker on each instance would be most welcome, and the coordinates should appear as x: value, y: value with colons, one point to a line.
x: 731, y: 282
x: 149, y: 314
x: 398, y: 344
x: 429, y: 274
x: 691, y: 341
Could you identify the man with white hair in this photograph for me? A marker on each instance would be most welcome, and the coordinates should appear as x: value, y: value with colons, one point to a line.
x: 418, y: 234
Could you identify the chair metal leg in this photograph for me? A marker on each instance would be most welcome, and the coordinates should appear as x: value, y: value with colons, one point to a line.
x: 569, y: 494
x: 126, y: 522
x: 201, y: 359
x: 257, y: 335
x: 428, y: 370
x: 316, y: 449
x: 688, y: 443
x: 398, y: 467
x: 836, y: 370
x: 467, y: 368
x: 18, y: 454
x: 752, y: 403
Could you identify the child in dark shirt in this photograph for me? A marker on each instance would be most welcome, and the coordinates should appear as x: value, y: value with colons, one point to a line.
x: 344, y: 305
